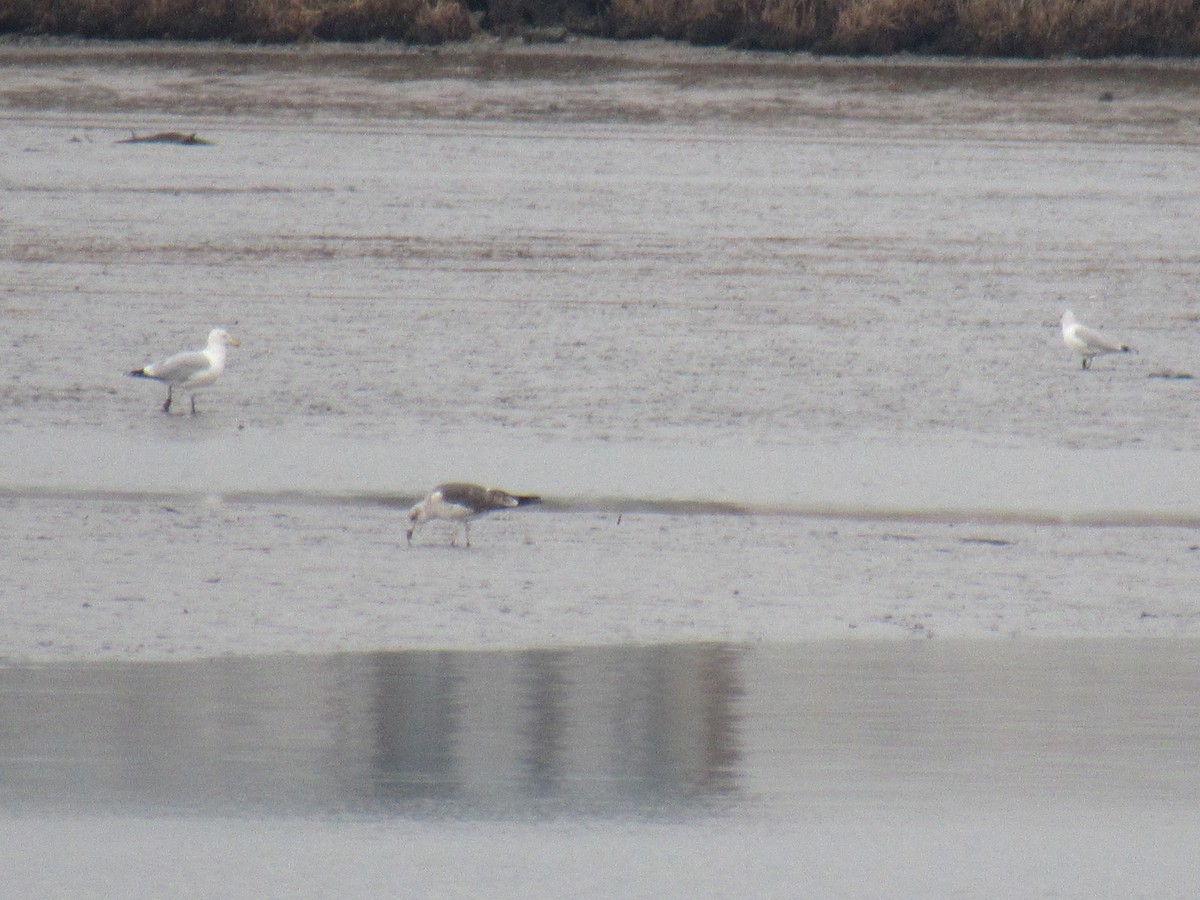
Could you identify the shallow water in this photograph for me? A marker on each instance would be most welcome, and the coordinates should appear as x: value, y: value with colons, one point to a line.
x: 651, y: 732
x: 1069, y: 765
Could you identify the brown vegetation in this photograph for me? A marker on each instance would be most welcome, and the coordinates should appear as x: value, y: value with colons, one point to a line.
x: 1037, y: 28
x: 1030, y: 28
x: 266, y: 21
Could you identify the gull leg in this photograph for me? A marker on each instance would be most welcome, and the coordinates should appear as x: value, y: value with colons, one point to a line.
x: 193, y: 404
x: 1086, y: 362
x: 167, y: 405
x: 467, y: 531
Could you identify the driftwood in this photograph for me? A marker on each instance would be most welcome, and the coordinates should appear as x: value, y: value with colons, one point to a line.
x: 1172, y: 374
x: 166, y: 137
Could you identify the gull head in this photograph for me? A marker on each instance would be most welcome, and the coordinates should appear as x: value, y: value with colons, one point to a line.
x: 415, y: 516
x: 221, y: 337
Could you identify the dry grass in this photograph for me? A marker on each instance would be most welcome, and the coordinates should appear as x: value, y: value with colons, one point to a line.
x: 888, y: 26
x: 1033, y: 28
x: 1081, y: 27
x: 1036, y: 28
x: 268, y: 21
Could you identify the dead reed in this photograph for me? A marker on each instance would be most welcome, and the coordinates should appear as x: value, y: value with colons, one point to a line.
x: 265, y: 21
x: 1033, y: 28
x: 1028, y: 28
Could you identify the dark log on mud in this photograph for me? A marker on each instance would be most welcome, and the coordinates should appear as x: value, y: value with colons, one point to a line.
x: 167, y: 137
x: 1172, y: 375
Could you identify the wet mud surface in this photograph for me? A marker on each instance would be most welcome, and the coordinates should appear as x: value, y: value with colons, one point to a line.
x: 884, y: 586
x: 624, y: 277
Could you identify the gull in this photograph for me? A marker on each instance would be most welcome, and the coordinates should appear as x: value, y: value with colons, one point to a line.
x: 1086, y: 342
x: 192, y: 369
x: 461, y: 502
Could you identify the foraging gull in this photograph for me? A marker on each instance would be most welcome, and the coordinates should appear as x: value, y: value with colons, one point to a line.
x: 1086, y: 342
x: 461, y: 502
x: 192, y: 369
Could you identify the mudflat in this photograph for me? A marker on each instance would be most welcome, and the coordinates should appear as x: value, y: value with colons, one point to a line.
x: 845, y: 569
x: 775, y: 336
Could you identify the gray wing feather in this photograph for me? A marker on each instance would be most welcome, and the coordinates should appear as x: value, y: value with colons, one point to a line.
x: 459, y: 493
x: 476, y: 497
x: 1095, y: 339
x: 179, y: 367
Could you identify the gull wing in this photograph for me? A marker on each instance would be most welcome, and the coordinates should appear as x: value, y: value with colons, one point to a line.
x: 471, y: 496
x: 180, y: 367
x: 476, y: 497
x: 1095, y: 340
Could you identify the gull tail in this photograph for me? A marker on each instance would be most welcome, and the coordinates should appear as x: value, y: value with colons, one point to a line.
x: 527, y: 499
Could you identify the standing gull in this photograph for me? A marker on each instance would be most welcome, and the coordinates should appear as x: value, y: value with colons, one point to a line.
x: 1086, y: 342
x: 192, y: 369
x: 461, y: 502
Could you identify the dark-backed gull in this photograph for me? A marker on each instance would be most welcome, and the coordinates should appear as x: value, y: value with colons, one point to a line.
x: 461, y: 502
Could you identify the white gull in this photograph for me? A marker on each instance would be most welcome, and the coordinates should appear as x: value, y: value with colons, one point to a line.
x: 191, y: 370
x: 1087, y: 342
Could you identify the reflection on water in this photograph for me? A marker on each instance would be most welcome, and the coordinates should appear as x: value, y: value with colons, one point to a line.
x: 641, y: 730
x: 679, y: 730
